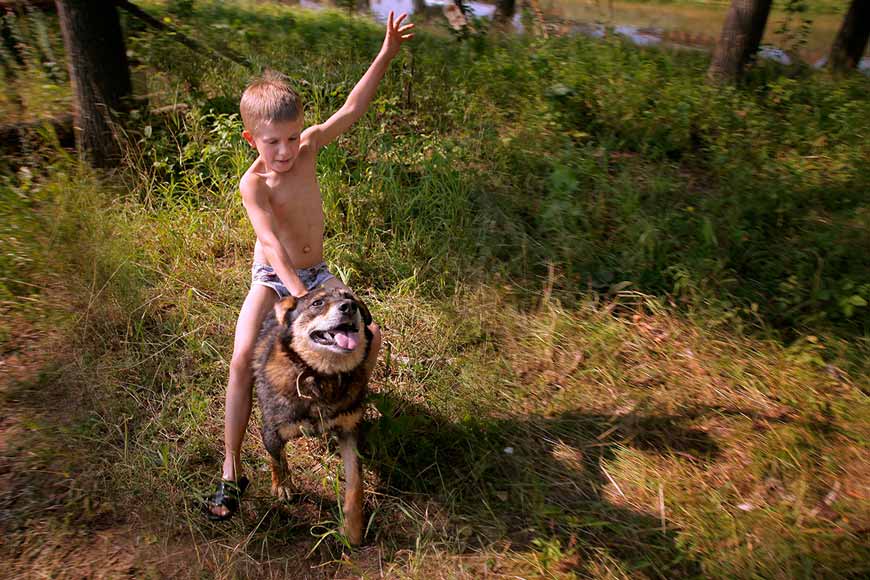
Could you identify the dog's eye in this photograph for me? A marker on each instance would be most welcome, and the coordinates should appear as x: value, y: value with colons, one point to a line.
x: 317, y: 303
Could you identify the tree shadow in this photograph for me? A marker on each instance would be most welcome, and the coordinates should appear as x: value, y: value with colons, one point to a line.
x: 536, y: 481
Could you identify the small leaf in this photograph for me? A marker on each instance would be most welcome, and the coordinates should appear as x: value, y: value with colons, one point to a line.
x: 559, y: 90
x: 856, y: 300
x: 708, y: 232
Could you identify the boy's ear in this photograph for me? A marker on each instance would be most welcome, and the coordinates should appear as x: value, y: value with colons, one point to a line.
x: 282, y: 307
x: 249, y: 138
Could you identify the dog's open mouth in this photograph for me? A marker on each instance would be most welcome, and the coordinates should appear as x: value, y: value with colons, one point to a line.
x: 345, y: 336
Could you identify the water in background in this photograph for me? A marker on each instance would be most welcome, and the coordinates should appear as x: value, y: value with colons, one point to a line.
x: 674, y: 24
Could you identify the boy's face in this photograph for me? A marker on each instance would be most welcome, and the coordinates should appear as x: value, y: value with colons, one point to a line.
x: 277, y: 142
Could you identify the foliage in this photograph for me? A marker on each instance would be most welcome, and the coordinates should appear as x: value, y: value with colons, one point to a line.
x: 32, y: 67
x: 613, y: 164
x: 795, y: 27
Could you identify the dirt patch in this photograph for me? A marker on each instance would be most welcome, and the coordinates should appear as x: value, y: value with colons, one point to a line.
x: 51, y: 523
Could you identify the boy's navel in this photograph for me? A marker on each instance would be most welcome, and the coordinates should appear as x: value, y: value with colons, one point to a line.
x: 306, y: 249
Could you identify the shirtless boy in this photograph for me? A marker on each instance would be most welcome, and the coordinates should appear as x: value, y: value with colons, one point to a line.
x: 282, y: 198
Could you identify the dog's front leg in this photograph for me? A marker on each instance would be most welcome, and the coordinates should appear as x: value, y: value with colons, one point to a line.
x: 282, y: 484
x: 353, y: 487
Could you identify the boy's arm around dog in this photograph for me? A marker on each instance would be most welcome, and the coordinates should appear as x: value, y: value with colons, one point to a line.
x: 255, y: 198
x: 362, y: 94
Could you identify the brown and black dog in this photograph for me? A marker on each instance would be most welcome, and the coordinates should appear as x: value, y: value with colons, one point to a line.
x: 308, y: 367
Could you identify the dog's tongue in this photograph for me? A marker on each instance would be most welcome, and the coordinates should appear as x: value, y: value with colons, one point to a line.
x: 346, y: 340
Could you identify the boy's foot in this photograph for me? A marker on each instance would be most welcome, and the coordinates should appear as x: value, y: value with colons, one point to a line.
x: 225, y: 501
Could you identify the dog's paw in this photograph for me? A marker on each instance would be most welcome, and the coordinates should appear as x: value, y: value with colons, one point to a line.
x: 352, y: 528
x: 283, y: 491
x: 353, y: 536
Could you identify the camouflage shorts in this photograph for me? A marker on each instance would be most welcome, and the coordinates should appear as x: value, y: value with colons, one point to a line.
x: 264, y: 275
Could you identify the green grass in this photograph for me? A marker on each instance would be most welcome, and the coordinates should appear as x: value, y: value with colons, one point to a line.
x: 622, y: 337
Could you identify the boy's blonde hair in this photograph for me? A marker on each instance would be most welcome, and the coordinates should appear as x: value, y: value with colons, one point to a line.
x: 269, y: 98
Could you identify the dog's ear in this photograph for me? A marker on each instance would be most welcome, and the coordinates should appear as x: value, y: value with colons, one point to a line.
x: 363, y: 309
x: 282, y: 307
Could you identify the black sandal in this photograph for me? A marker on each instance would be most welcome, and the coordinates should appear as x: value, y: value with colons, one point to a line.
x: 229, y: 495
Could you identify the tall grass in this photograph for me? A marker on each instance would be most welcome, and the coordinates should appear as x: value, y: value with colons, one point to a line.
x: 613, y: 164
x: 625, y: 316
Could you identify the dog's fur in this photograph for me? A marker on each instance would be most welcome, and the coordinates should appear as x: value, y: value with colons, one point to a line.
x: 310, y: 381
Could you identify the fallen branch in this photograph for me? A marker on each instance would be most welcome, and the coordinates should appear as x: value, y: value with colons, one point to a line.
x: 136, y: 12
x: 13, y: 135
x: 44, y: 5
x: 191, y: 43
x: 17, y: 137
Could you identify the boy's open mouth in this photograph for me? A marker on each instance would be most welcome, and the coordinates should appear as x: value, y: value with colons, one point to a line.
x: 344, y: 336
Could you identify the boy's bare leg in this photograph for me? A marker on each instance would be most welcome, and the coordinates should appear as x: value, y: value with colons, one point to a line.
x: 238, y: 400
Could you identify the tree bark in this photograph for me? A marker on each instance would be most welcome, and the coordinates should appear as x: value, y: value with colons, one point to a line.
x: 851, y: 41
x: 740, y: 38
x: 99, y: 73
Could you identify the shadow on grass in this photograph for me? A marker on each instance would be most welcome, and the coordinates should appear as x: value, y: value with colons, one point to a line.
x: 533, y: 482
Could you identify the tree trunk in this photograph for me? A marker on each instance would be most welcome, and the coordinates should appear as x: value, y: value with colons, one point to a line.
x: 99, y: 73
x: 848, y: 47
x: 504, y: 10
x: 741, y: 35
x: 420, y: 9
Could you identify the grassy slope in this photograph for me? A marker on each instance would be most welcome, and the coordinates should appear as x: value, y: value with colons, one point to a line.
x: 707, y: 420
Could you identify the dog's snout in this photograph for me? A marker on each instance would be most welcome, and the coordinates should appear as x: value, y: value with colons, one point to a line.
x: 347, y: 307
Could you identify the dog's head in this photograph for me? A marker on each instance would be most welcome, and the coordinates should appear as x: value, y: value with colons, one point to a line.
x: 327, y: 328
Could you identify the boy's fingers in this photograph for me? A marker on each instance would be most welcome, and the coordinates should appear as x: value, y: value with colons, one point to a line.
x: 399, y: 19
x: 390, y: 20
x: 406, y: 27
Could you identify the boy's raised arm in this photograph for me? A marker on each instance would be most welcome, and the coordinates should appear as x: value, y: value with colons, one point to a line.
x: 361, y: 96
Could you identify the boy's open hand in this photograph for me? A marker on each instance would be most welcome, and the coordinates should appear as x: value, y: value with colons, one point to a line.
x: 396, y: 34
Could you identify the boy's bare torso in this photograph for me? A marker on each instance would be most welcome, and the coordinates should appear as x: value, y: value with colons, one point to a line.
x: 296, y: 205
